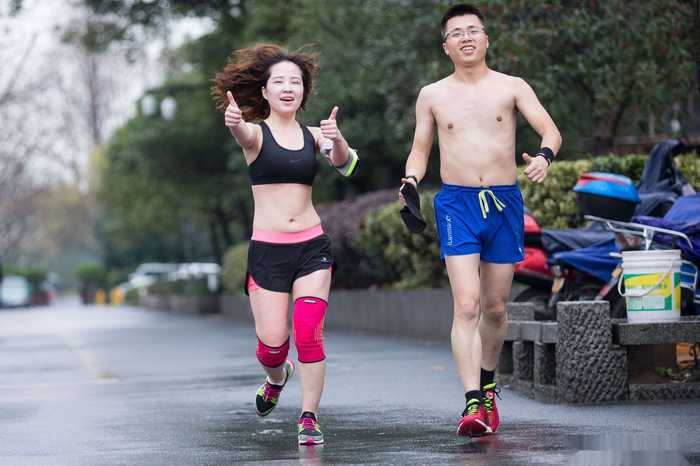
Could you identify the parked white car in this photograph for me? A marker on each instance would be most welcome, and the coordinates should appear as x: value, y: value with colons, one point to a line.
x: 146, y: 274
x: 15, y: 291
x: 211, y: 271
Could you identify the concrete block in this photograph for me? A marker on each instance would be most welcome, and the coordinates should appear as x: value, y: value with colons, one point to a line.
x: 531, y: 331
x: 588, y: 368
x: 505, y: 359
x: 651, y: 333
x: 521, y: 311
x: 544, y: 369
x: 523, y: 360
x: 550, y: 332
x: 664, y: 391
x: 513, y: 331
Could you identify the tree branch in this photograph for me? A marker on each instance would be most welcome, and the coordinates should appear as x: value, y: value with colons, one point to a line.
x: 7, y: 93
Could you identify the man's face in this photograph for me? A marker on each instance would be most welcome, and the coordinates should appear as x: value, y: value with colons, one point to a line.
x: 465, y: 40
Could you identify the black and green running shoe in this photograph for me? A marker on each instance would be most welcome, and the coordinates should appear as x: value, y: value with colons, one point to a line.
x: 309, y: 429
x: 269, y: 394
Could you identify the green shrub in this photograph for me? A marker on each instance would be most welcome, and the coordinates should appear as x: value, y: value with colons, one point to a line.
x: 132, y: 297
x: 196, y: 287
x: 631, y: 165
x: 391, y: 255
x: 342, y: 222
x: 689, y: 165
x: 162, y: 288
x: 554, y: 204
x: 91, y: 274
x: 34, y: 275
x: 116, y: 277
x: 235, y: 267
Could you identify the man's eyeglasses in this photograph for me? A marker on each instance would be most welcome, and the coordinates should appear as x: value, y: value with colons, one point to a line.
x: 461, y: 33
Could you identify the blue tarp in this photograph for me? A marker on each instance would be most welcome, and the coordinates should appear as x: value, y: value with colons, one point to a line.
x: 683, y: 217
x: 595, y: 259
x: 685, y: 212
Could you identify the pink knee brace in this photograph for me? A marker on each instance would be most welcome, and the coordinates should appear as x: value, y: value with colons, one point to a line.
x: 272, y: 356
x: 308, y: 317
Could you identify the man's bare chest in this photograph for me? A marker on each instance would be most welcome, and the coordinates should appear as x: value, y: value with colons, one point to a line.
x: 467, y: 108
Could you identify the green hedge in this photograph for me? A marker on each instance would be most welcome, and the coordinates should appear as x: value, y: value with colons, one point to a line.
x: 342, y: 222
x: 132, y: 297
x: 394, y: 257
x: 34, y: 275
x: 554, y: 204
x: 91, y: 273
x: 689, y: 165
x: 234, y: 268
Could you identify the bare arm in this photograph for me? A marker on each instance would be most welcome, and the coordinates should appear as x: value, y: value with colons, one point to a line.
x: 245, y: 134
x: 417, y: 162
x: 328, y: 132
x: 529, y: 105
x: 339, y: 153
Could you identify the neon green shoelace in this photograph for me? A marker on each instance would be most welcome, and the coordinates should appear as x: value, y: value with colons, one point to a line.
x: 488, y: 401
x: 484, y: 202
x: 472, y: 406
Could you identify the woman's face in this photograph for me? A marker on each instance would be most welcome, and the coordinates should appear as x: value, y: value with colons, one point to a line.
x: 284, y: 90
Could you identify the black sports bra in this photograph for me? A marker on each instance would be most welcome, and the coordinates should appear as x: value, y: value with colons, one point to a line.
x: 275, y: 164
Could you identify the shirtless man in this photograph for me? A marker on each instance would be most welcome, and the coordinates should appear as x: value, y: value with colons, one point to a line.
x: 479, y: 209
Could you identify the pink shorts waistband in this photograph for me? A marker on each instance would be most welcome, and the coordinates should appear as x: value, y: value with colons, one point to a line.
x: 277, y: 237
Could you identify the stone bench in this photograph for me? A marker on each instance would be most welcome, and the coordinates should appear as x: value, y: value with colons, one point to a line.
x: 587, y: 357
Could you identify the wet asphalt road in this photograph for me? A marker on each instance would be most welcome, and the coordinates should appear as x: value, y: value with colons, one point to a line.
x: 125, y: 386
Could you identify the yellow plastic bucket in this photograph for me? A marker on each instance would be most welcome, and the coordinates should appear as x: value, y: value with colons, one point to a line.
x: 652, y: 282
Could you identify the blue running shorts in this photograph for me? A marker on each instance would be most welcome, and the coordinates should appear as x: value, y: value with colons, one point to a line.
x: 487, y: 221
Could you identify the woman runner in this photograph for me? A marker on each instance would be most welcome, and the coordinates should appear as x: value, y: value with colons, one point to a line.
x: 261, y: 90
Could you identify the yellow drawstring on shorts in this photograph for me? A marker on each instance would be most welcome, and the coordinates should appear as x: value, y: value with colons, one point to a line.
x: 484, y: 202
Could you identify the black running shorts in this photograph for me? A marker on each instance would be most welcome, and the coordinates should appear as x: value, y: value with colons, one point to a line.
x: 275, y: 266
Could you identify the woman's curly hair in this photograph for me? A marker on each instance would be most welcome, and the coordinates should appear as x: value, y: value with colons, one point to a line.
x: 247, y: 73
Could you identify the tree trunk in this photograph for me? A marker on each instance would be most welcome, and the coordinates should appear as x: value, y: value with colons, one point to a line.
x: 607, y: 127
x: 215, y: 243
x: 243, y: 213
x: 224, y: 223
x: 604, y: 139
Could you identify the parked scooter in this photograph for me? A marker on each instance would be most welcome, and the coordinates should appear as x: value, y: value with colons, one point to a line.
x: 541, y: 244
x: 593, y: 272
x: 580, y: 266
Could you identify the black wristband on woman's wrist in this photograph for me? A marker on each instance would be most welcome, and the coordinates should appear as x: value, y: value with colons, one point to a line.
x: 547, y: 153
x: 414, y: 178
